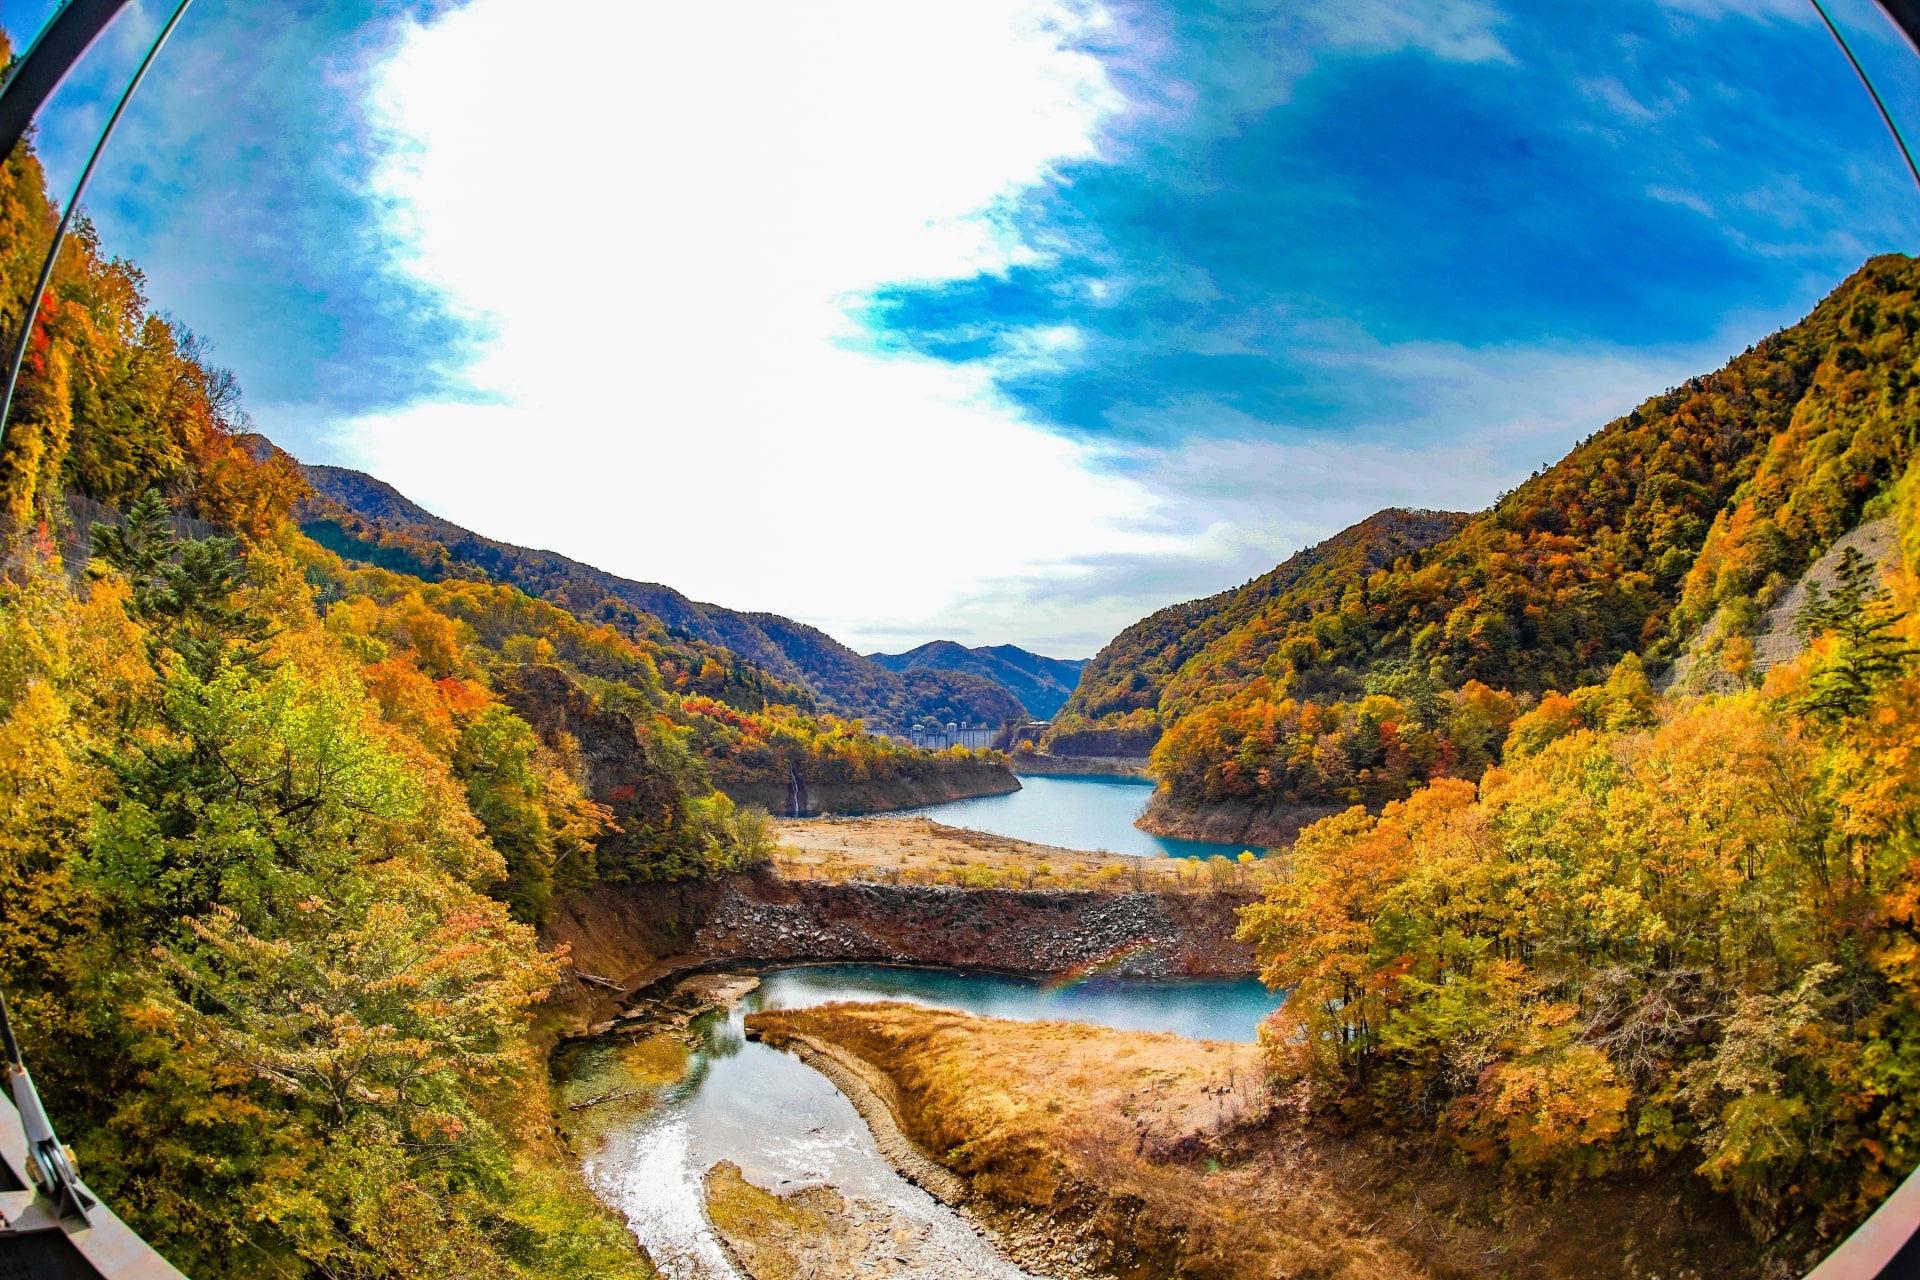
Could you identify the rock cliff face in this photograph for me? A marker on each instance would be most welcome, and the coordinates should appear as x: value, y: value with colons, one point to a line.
x: 1100, y: 741
x: 621, y: 771
x: 1254, y: 825
x: 908, y: 791
x: 1032, y: 931
x: 630, y: 933
x: 1703, y: 667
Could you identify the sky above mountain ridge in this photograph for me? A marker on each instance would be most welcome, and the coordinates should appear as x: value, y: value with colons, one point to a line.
x: 987, y: 321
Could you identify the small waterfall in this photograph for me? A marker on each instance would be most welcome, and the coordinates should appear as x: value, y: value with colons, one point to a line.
x: 796, y: 794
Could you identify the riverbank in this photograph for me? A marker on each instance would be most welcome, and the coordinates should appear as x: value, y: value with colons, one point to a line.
x: 1171, y: 1157
x: 1025, y: 1239
x: 923, y: 851
x: 1268, y: 826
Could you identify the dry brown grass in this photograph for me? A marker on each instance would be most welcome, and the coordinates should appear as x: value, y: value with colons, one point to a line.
x: 1123, y: 1130
x: 1174, y: 1154
x: 922, y: 851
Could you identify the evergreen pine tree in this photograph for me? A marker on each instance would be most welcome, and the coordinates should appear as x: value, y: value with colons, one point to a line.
x: 1858, y: 612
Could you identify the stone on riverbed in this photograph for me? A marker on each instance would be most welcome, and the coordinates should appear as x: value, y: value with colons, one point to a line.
x: 817, y: 1233
x: 715, y: 990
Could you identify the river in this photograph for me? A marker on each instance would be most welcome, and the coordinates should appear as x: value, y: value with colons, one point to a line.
x: 786, y: 1126
x: 1072, y: 812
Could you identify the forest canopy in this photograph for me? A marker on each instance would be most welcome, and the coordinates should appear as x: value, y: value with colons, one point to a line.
x: 1674, y: 933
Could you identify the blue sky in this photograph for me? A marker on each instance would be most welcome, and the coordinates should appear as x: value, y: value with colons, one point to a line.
x: 995, y: 320
x: 237, y: 182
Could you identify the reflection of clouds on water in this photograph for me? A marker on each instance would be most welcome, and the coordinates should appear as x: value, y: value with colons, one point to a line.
x: 649, y: 1173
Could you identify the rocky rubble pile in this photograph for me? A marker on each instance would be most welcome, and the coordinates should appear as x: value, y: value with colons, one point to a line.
x: 1032, y: 931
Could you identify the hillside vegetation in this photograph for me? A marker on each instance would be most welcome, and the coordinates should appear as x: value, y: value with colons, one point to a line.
x: 1398, y: 650
x: 277, y: 829
x: 1123, y: 685
x: 769, y: 658
x: 1662, y: 934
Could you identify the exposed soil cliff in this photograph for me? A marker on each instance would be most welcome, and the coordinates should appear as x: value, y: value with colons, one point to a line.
x: 621, y: 937
x: 1266, y: 826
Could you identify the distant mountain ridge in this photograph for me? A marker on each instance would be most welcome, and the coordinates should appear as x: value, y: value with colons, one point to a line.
x: 1042, y: 684
x: 361, y: 517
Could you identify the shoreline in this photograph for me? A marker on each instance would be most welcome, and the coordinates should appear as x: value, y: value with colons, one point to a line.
x: 1042, y: 764
x: 1138, y: 1153
x: 875, y: 1098
x: 863, y: 1085
x: 1272, y: 826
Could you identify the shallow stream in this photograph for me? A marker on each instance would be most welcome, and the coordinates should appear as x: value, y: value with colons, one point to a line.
x: 786, y: 1126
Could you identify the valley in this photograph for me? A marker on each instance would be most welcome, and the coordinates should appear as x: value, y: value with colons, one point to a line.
x: 1528, y: 891
x: 1452, y: 732
x: 768, y: 657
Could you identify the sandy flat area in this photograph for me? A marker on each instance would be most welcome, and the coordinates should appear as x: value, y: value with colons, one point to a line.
x: 921, y: 850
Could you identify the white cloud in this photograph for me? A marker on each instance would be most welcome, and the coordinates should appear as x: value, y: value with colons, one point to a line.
x: 664, y: 212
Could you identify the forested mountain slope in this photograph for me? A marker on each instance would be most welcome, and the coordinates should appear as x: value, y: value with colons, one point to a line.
x: 362, y: 518
x: 1122, y: 685
x: 1042, y: 684
x: 1667, y: 939
x: 1346, y: 682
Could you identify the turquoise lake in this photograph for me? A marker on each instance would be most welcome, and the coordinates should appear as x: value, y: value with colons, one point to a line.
x: 1074, y: 813
x: 1199, y: 1008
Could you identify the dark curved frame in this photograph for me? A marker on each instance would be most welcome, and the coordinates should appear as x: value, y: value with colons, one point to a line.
x: 38, y: 72
x: 1884, y: 1247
